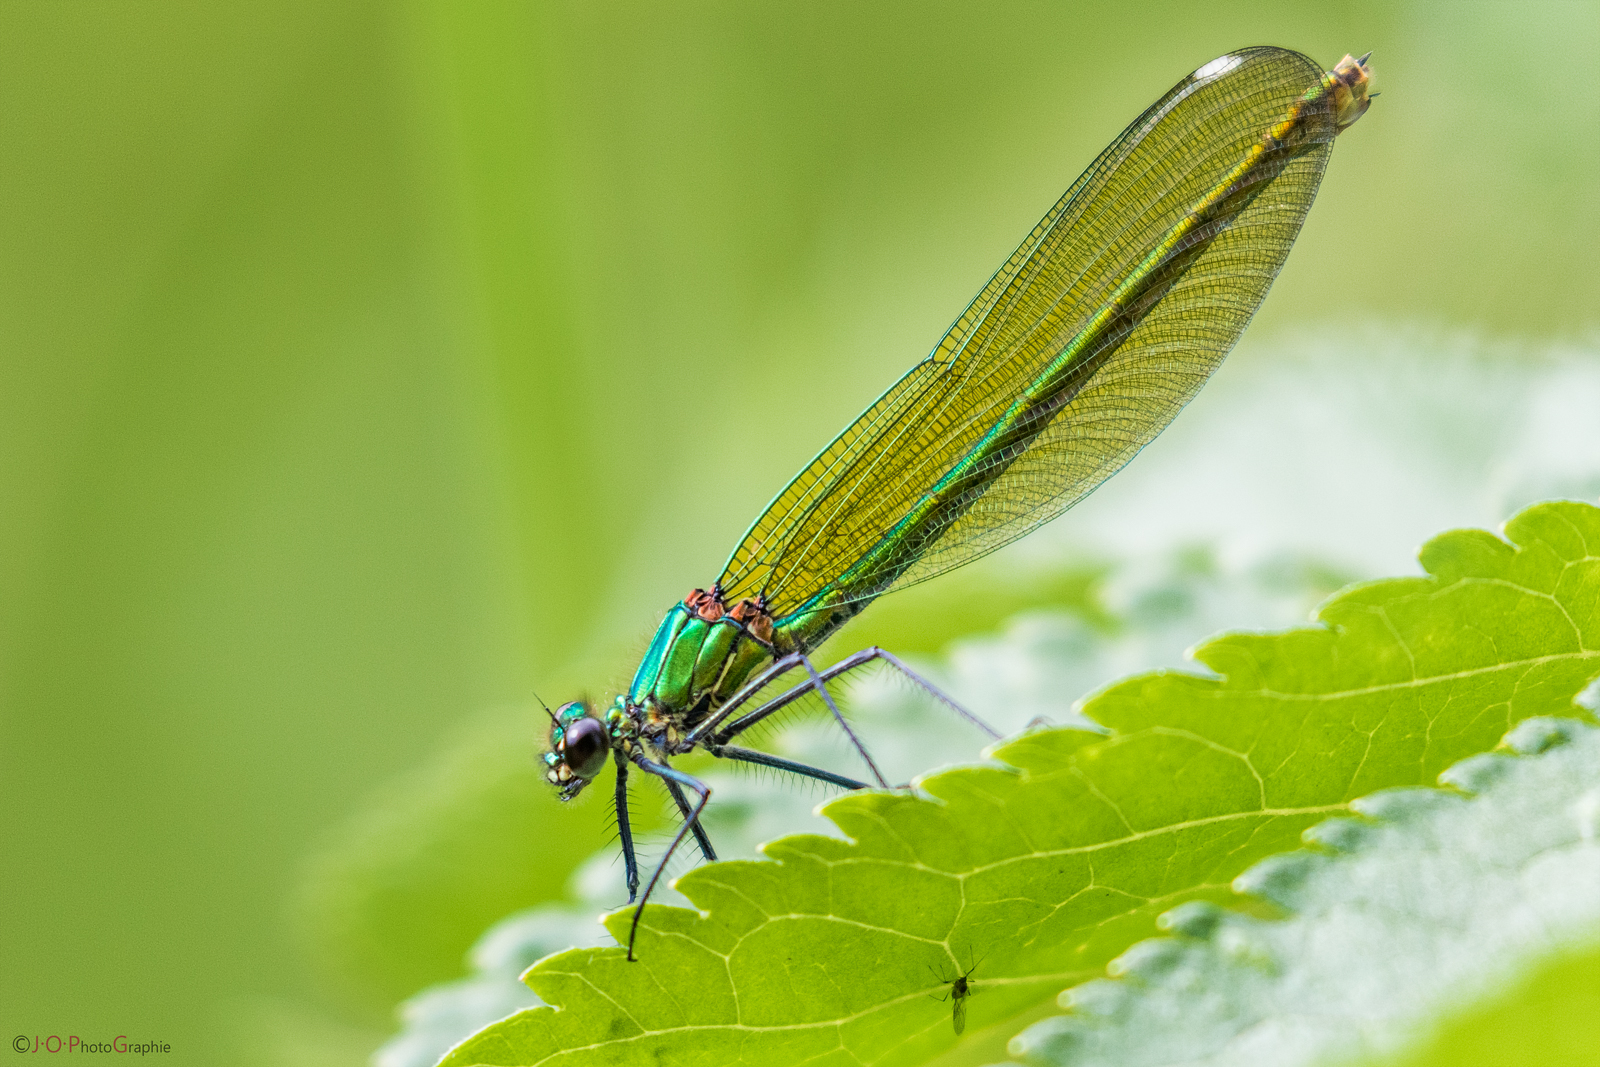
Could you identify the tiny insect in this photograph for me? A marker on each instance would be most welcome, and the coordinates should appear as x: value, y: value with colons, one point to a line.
x: 1085, y: 345
x: 961, y: 987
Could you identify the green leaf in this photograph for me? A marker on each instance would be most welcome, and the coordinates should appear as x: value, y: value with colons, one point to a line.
x: 1058, y: 856
x: 1427, y: 902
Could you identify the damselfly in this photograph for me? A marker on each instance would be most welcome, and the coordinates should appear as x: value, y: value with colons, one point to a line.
x: 1084, y: 346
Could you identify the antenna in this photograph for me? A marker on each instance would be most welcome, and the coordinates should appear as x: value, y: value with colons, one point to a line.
x: 553, y: 720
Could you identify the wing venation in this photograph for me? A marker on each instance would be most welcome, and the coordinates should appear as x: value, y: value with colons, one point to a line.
x: 1061, y: 368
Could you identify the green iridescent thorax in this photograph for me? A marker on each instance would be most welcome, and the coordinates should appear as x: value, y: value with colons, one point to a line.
x: 700, y: 656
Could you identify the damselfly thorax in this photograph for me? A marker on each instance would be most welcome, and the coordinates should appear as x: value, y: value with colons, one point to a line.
x: 701, y: 654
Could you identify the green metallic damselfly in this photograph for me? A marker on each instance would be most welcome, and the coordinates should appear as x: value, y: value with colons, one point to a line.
x: 1083, y: 347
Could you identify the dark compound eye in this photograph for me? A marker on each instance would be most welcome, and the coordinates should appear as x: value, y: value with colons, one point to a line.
x: 586, y: 747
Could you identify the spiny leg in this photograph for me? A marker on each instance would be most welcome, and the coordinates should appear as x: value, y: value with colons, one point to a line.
x: 771, y: 707
x: 779, y: 667
x: 716, y: 740
x: 849, y: 663
x: 867, y: 655
x: 748, y: 755
x: 626, y: 832
x: 822, y: 691
x: 700, y: 837
x: 661, y: 770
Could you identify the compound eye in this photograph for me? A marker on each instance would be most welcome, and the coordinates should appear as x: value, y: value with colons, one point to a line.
x: 586, y: 747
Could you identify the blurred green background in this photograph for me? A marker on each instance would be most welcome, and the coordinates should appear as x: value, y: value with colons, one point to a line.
x: 365, y: 365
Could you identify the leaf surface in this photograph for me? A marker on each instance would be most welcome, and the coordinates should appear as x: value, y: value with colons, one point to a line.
x: 1396, y: 921
x: 1058, y: 855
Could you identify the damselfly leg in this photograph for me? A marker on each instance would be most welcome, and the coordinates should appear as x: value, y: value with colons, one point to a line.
x: 691, y: 820
x: 716, y: 742
x: 815, y: 682
x: 700, y: 837
x: 625, y: 832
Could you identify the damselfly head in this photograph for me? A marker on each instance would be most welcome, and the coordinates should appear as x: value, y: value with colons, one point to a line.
x: 578, y: 748
x: 1349, y: 82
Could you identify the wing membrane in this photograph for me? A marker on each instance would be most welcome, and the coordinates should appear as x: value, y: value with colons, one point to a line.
x: 942, y: 468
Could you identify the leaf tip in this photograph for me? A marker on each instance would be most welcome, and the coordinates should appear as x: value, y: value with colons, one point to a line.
x: 1197, y: 919
x: 1476, y: 773
x: 1530, y: 737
